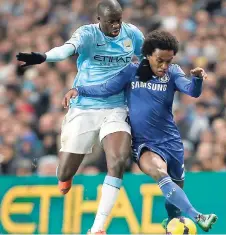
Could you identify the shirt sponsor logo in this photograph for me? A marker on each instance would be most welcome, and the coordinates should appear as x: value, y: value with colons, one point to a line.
x: 113, y: 59
x: 149, y: 86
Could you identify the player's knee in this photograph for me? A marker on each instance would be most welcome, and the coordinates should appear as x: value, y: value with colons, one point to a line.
x: 125, y: 156
x: 158, y: 173
x: 117, y: 163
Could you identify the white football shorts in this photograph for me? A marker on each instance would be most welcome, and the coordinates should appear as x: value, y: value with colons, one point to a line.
x: 82, y: 128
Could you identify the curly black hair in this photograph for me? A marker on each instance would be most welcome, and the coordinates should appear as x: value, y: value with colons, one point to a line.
x: 159, y: 39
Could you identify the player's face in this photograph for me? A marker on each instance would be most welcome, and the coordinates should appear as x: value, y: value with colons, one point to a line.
x: 110, y: 23
x: 160, y: 61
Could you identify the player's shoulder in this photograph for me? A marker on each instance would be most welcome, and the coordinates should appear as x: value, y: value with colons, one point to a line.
x: 130, y: 28
x: 175, y: 69
x: 88, y: 28
x: 131, y: 68
x: 174, y: 66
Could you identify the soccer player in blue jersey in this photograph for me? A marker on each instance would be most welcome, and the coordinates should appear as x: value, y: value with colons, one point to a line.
x: 104, y: 49
x: 157, y: 145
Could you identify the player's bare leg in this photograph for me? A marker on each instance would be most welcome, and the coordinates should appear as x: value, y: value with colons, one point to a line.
x: 68, y: 166
x: 117, y: 150
x: 117, y: 147
x: 153, y: 165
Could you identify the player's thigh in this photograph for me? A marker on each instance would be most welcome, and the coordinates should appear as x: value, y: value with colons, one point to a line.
x: 153, y: 164
x: 176, y: 167
x: 80, y: 130
x: 173, y: 157
x: 117, y: 147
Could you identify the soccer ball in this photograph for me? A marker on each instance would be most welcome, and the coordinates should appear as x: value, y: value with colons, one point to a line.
x: 181, y: 226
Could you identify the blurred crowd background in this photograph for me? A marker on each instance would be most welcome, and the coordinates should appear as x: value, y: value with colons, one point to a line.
x: 30, y: 103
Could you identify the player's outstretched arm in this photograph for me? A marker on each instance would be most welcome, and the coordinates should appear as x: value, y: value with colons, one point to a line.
x: 31, y: 58
x: 54, y: 55
x: 191, y: 87
x: 113, y: 86
x: 78, y: 43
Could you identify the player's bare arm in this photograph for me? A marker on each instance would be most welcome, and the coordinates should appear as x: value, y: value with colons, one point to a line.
x: 54, y: 55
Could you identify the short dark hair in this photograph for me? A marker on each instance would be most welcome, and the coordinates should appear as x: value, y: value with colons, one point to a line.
x: 159, y: 39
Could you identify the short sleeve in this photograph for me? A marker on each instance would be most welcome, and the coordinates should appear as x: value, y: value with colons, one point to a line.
x: 81, y: 39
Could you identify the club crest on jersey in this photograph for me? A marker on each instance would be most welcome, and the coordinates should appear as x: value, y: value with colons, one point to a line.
x: 127, y: 43
x: 164, y: 79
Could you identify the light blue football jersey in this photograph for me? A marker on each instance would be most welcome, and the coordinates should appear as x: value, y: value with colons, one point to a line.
x: 101, y: 58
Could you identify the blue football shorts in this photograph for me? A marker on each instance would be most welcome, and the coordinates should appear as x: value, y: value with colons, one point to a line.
x: 173, y: 155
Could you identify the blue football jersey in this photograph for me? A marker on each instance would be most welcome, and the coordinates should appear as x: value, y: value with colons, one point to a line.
x: 150, y: 103
x: 101, y: 58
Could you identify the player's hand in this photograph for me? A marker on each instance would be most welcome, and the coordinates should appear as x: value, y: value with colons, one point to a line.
x: 73, y: 93
x: 31, y: 58
x: 199, y: 72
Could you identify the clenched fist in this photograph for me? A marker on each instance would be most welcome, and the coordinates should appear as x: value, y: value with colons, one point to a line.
x: 199, y: 72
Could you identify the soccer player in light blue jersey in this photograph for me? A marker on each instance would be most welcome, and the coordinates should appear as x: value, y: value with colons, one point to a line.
x: 104, y: 50
x: 157, y: 145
